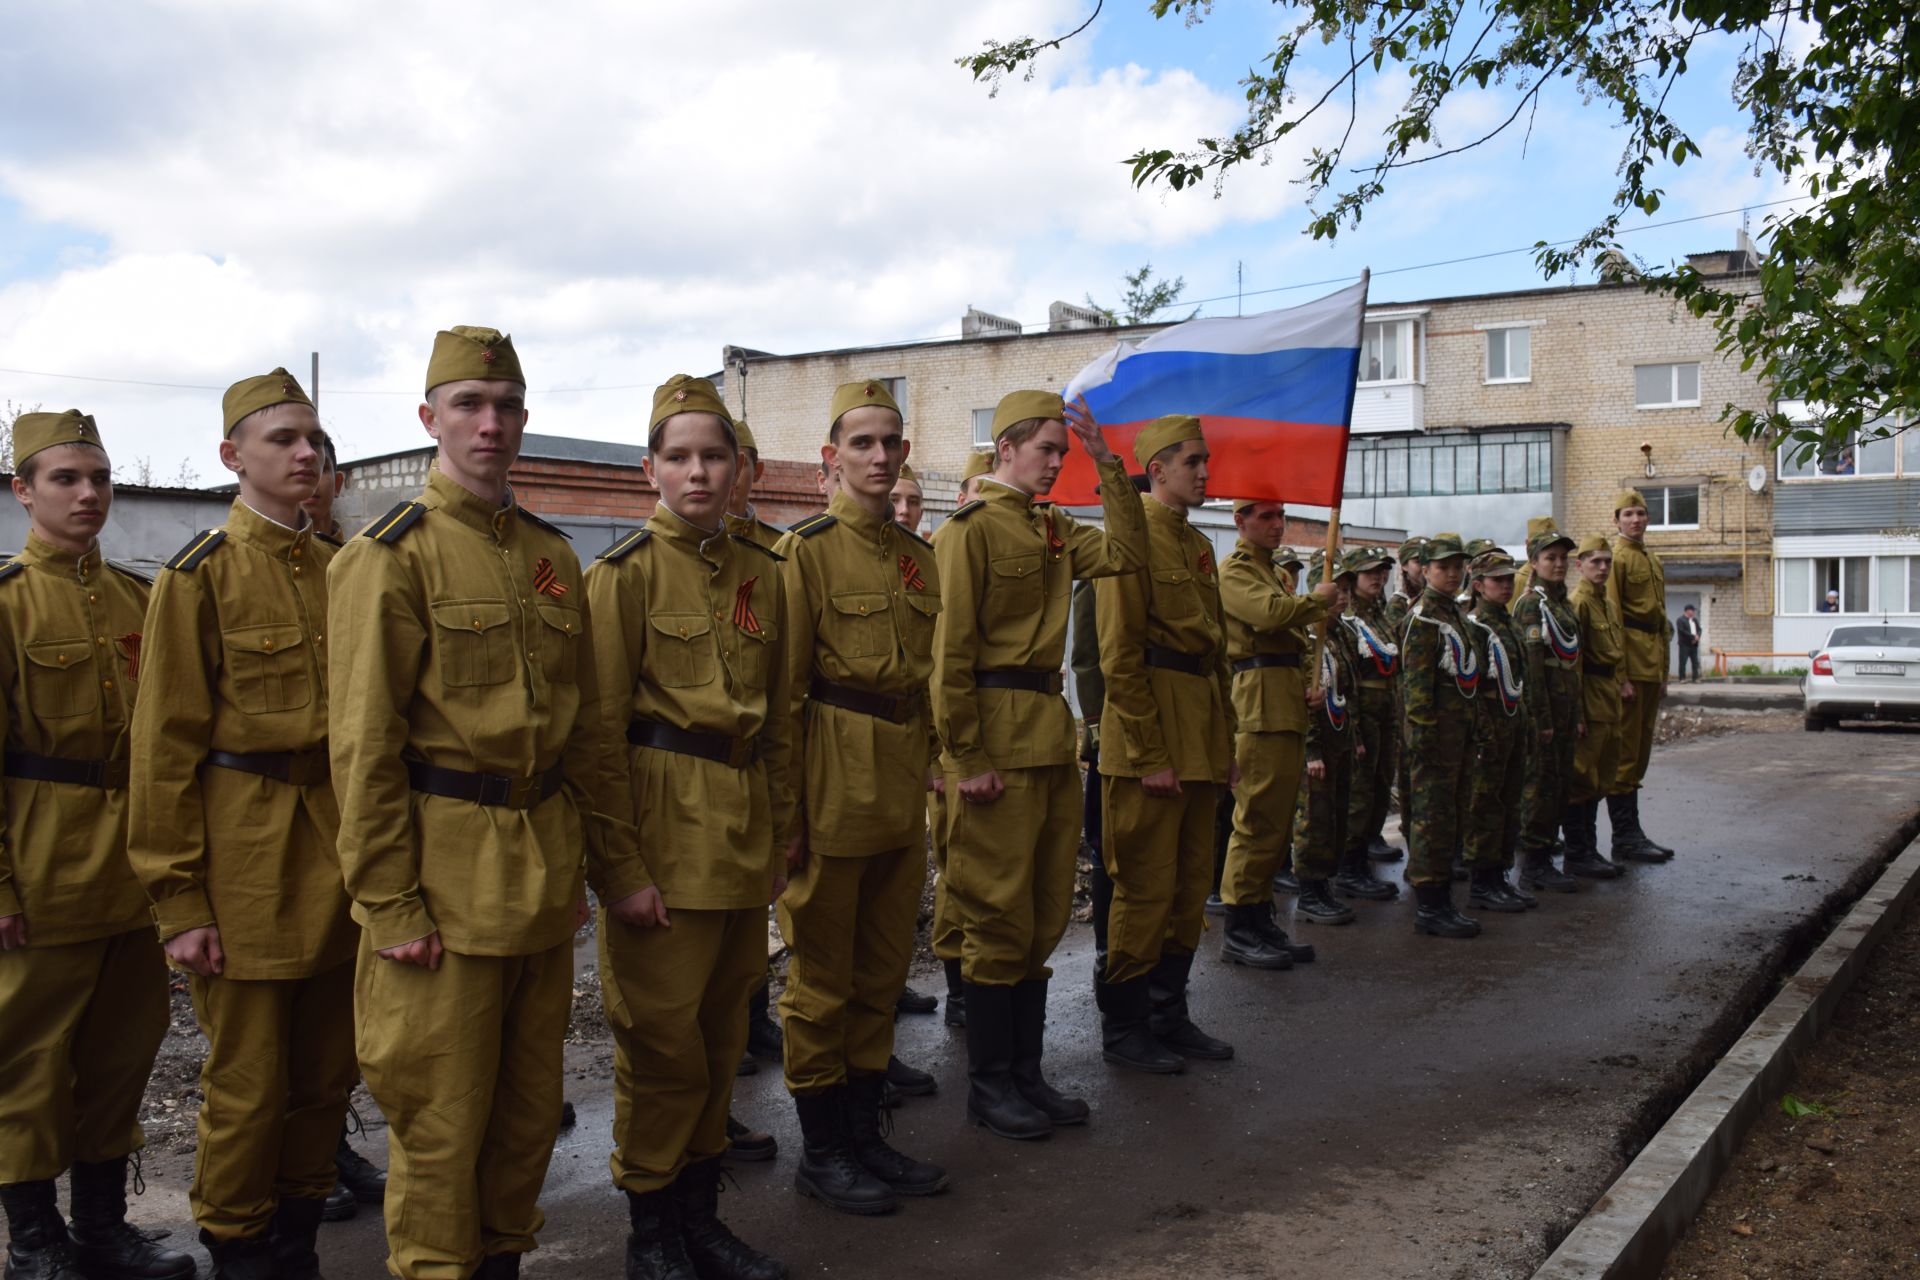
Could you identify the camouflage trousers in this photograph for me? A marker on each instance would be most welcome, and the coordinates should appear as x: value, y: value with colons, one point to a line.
x: 1320, y: 829
x: 1498, y: 775
x: 1439, y: 761
x: 1550, y: 764
x: 1371, y: 795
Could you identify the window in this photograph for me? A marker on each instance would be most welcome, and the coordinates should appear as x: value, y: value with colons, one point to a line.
x: 1386, y: 351
x: 1666, y: 386
x: 982, y: 428
x: 1890, y: 583
x: 1441, y: 466
x: 1510, y: 355
x: 897, y: 388
x: 1673, y: 507
x: 1805, y: 584
x: 1897, y: 454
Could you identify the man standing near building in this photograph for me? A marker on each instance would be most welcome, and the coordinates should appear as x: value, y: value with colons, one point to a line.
x: 1638, y: 588
x: 474, y: 767
x: 1551, y: 633
x: 1603, y: 686
x: 1166, y: 749
x: 1013, y: 790
x: 83, y: 986
x: 1687, y: 635
x: 1266, y: 627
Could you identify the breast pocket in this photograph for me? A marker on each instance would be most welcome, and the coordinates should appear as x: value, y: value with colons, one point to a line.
x: 267, y: 667
x: 1176, y: 593
x: 682, y: 649
x: 61, y: 679
x: 1019, y: 582
x: 559, y: 642
x: 862, y: 624
x: 916, y: 626
x: 473, y: 640
x: 757, y: 654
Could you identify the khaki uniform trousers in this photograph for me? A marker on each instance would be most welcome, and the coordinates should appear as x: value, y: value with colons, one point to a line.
x: 1596, y: 762
x: 949, y: 936
x: 465, y: 1062
x: 1010, y: 869
x: 1270, y: 765
x: 1637, y: 720
x: 849, y: 924
x: 1159, y: 851
x: 677, y: 1001
x: 280, y: 1064
x: 79, y: 1026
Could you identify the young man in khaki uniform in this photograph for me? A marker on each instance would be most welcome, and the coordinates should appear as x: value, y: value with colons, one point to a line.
x: 862, y: 595
x: 1604, y: 690
x: 689, y: 623
x: 234, y: 831
x: 1638, y: 588
x: 1166, y: 749
x: 1266, y: 645
x: 83, y: 989
x: 1007, y: 563
x: 473, y: 768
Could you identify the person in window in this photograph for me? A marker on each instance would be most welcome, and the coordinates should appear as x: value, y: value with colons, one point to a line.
x: 1373, y: 369
x: 1843, y: 466
x: 1831, y: 604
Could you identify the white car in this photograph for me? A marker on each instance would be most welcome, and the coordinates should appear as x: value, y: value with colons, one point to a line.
x: 1865, y: 671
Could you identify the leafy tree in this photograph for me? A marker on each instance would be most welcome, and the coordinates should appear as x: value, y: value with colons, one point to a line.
x: 1828, y: 316
x: 9, y: 416
x: 1144, y: 297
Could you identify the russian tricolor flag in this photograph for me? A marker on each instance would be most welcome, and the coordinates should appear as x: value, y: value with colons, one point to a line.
x: 1274, y: 393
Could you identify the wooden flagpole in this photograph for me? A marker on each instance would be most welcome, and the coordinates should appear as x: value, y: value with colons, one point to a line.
x: 1330, y: 569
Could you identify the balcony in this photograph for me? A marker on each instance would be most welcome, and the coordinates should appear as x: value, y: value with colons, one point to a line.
x: 1380, y: 407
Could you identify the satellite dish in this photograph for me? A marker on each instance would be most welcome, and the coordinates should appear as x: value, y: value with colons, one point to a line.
x: 1757, y: 478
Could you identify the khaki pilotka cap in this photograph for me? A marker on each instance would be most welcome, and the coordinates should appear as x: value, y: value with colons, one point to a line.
x: 849, y: 396
x: 33, y: 432
x: 251, y: 395
x: 979, y: 462
x: 1164, y: 433
x: 743, y: 438
x: 1441, y: 546
x: 1593, y: 542
x: 684, y: 393
x: 469, y: 353
x: 1016, y: 407
x: 1628, y: 498
x: 906, y: 473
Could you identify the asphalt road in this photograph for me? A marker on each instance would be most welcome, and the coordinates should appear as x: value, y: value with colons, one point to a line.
x: 1403, y: 1107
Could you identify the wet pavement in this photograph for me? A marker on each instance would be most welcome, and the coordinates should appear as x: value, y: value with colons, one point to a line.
x: 1405, y: 1106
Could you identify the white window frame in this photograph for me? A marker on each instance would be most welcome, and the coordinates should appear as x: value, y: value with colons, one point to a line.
x: 1900, y: 469
x: 897, y: 388
x: 1411, y: 347
x: 1503, y: 329
x: 982, y: 428
x: 1673, y: 368
x: 1666, y: 500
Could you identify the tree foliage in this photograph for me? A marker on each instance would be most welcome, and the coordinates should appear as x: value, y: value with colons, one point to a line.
x: 1831, y: 94
x: 1143, y: 297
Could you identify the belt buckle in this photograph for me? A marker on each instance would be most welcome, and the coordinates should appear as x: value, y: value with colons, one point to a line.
x: 740, y: 753
x: 524, y: 793
x: 495, y: 789
x: 1056, y: 683
x: 96, y: 773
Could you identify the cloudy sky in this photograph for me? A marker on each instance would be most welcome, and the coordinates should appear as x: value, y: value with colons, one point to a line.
x: 192, y: 191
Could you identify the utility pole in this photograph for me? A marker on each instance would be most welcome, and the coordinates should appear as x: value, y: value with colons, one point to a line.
x: 313, y: 387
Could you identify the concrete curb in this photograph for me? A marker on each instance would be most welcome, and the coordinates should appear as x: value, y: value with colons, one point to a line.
x: 1735, y: 697
x: 1630, y: 1229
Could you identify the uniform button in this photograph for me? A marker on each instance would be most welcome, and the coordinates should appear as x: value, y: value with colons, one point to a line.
x: 295, y: 553
x: 93, y: 599
x: 296, y: 571
x: 683, y: 633
x: 62, y: 659
x: 529, y: 654
x: 568, y: 628
x: 716, y: 614
x: 318, y: 638
x: 863, y: 608
x: 100, y: 640
x: 106, y: 684
x: 476, y: 624
x: 267, y: 645
x: 523, y: 599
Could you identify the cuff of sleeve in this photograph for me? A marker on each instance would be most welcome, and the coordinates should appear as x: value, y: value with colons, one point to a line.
x: 970, y: 764
x: 396, y: 925
x: 183, y: 911
x: 622, y: 879
x: 10, y: 901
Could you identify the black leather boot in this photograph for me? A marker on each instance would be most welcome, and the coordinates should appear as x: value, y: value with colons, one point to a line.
x: 911, y: 1001
x: 655, y: 1249
x: 1169, y: 1020
x: 1285, y: 881
x: 868, y: 1124
x: 1029, y: 1043
x: 1298, y: 952
x: 956, y: 1015
x: 1527, y: 900
x: 1434, y: 915
x: 1318, y: 906
x: 105, y: 1244
x: 1582, y: 825
x: 1491, y: 890
x: 340, y: 1204
x: 828, y: 1172
x: 1356, y: 879
x: 1630, y: 843
x: 909, y: 1081
x: 498, y: 1266
x: 358, y: 1174
x: 716, y: 1253
x: 295, y: 1225
x: 749, y: 1145
x: 1378, y: 850
x: 764, y: 1037
x: 1125, y: 1038
x: 38, y: 1248
x: 993, y: 1100
x: 1244, y: 943
x: 1538, y: 872
x: 250, y: 1258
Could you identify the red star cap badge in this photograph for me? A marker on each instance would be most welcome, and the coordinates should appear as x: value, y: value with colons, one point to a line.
x: 487, y: 356
x: 680, y: 395
x: 871, y: 391
x: 286, y: 388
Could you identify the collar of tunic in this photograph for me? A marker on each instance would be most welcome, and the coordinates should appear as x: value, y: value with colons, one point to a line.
x: 43, y: 555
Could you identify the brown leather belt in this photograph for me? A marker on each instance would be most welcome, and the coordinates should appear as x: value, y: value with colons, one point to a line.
x: 496, y: 790
x: 1174, y: 660
x: 1010, y: 678
x: 1259, y: 660
x: 1379, y: 682
x: 1597, y: 668
x: 896, y: 708
x: 108, y: 775
x: 1634, y: 624
x: 309, y: 768
x: 721, y: 748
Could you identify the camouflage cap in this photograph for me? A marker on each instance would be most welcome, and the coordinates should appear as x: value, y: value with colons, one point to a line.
x: 849, y: 396
x: 250, y: 395
x: 1018, y: 406
x: 1164, y: 433
x: 33, y: 432
x: 743, y: 437
x: 684, y: 393
x: 1441, y: 546
x: 1477, y: 547
x: 1361, y: 559
x: 1593, y: 542
x: 1285, y: 556
x: 1627, y: 499
x: 1494, y: 564
x: 1545, y: 540
x: 979, y: 462
x: 1411, y: 549
x: 472, y: 353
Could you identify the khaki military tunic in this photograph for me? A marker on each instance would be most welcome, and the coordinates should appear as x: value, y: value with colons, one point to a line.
x: 461, y: 638
x: 1263, y: 616
x: 689, y: 632
x: 1159, y: 849
x: 1603, y: 666
x: 83, y: 1006
x: 1638, y: 588
x: 862, y: 600
x: 754, y: 529
x: 1007, y: 564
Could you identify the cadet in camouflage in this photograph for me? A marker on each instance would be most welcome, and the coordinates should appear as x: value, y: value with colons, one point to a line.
x: 1551, y: 632
x: 1506, y: 706
x: 1442, y: 673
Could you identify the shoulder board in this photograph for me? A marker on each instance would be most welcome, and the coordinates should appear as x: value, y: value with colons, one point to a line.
x: 1043, y: 503
x: 625, y: 544
x: 125, y: 571
x: 768, y: 552
x: 329, y: 539
x: 1239, y: 555
x: 538, y: 523
x: 10, y: 568
x: 961, y: 513
x: 396, y: 522
x: 190, y: 556
x: 914, y: 534
x: 813, y: 525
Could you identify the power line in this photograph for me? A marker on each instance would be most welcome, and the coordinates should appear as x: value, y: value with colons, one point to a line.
x: 948, y: 334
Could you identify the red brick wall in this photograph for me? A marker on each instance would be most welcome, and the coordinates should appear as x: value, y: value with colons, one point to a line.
x: 786, y: 493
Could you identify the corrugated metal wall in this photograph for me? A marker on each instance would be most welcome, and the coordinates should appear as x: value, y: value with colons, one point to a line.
x: 1845, y: 506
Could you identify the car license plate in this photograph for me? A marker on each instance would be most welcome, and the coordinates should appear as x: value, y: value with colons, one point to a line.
x: 1880, y: 668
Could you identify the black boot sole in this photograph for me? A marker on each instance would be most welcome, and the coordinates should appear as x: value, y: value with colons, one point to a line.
x: 924, y: 1089
x: 1646, y: 856
x: 1507, y: 906
x: 1385, y: 855
x: 1434, y: 929
x: 919, y: 1189
x: 754, y: 1154
x: 1277, y: 962
x: 1378, y: 891
x: 1303, y: 918
x: 976, y: 1118
x: 859, y: 1209
x: 1158, y: 1067
x: 1597, y: 874
x: 1555, y: 885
